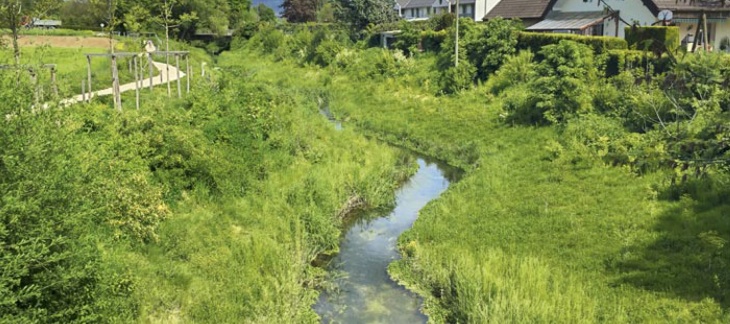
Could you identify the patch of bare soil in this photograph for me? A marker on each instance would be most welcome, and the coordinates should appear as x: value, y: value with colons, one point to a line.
x: 61, y: 41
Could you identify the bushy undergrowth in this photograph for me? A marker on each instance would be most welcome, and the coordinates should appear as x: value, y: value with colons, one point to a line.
x: 208, y: 208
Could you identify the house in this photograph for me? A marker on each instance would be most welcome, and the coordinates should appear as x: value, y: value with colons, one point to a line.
x: 586, y: 17
x: 687, y: 15
x: 423, y: 9
x: 609, y: 17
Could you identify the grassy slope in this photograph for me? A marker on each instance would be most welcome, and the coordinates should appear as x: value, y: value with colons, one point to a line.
x: 526, y: 239
x: 248, y: 212
x: 247, y: 257
x: 72, y: 64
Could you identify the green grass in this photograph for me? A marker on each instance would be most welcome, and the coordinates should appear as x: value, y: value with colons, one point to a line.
x: 51, y: 32
x: 526, y: 236
x: 72, y: 65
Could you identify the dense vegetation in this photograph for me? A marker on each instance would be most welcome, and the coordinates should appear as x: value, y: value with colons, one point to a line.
x: 595, y: 188
x: 588, y: 199
x: 209, y: 208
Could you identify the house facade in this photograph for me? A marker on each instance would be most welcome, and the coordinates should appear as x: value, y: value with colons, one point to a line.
x: 687, y: 16
x: 609, y: 17
x: 424, y: 9
x: 586, y: 17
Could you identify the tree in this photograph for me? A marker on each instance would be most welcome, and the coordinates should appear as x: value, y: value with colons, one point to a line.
x: 265, y: 13
x: 11, y: 11
x: 137, y: 18
x: 299, y: 11
x: 361, y: 13
x: 45, y: 8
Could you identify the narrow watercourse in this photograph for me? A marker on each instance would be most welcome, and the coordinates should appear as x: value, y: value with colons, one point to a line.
x: 361, y: 290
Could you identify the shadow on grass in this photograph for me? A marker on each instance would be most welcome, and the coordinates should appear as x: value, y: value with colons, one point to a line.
x: 688, y: 256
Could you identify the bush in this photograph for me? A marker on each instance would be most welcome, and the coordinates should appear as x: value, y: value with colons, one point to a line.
x: 488, y: 45
x: 518, y: 69
x: 600, y: 44
x: 656, y: 39
x: 431, y: 40
x: 618, y: 61
x: 566, y: 75
x: 456, y: 79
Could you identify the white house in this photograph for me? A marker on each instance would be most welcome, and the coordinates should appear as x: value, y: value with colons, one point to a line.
x: 423, y: 9
x: 587, y: 17
x: 609, y: 17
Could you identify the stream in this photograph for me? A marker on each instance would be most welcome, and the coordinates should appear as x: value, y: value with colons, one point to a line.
x: 363, y: 291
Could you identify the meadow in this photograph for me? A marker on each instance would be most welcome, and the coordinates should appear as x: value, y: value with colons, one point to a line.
x: 542, y: 228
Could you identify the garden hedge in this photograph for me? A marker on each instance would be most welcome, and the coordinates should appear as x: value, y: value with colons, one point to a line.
x: 535, y: 41
x: 656, y: 39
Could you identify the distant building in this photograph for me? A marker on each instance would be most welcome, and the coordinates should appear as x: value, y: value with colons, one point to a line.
x: 424, y: 9
x: 590, y: 17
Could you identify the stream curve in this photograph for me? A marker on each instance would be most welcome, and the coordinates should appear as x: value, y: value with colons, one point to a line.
x: 364, y: 292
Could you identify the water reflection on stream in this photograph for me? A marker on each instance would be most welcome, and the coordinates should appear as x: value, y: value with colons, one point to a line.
x: 365, y: 293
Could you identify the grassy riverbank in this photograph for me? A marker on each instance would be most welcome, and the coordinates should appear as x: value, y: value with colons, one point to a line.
x: 208, y: 208
x: 538, y: 231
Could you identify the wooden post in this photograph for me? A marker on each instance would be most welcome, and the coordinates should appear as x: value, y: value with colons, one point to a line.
x: 34, y: 82
x: 187, y: 70
x: 177, y: 65
x: 54, y: 86
x: 617, y: 20
x: 149, y: 62
x: 697, y: 33
x: 136, y: 80
x: 129, y: 65
x: 115, y: 84
x: 88, y: 75
x: 704, y: 32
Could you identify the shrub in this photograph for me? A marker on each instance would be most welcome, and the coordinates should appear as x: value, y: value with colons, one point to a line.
x: 456, y: 79
x: 535, y: 41
x: 618, y: 61
x: 431, y: 40
x: 490, y: 44
x: 326, y: 52
x: 518, y: 69
x: 656, y: 39
x: 566, y: 74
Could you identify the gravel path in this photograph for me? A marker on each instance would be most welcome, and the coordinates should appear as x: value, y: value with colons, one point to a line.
x: 156, y: 80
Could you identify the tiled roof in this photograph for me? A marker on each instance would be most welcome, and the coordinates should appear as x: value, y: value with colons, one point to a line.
x: 558, y: 20
x: 419, y: 4
x: 520, y: 9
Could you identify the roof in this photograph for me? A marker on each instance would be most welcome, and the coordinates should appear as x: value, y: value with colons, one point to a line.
x: 689, y: 5
x: 558, y: 20
x: 525, y: 9
x: 520, y: 9
x: 419, y: 4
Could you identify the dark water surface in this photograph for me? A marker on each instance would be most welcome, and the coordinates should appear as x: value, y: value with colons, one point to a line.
x: 364, y: 292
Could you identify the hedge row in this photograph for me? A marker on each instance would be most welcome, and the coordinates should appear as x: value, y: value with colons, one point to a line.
x: 535, y: 41
x: 628, y: 60
x: 431, y: 40
x: 656, y: 39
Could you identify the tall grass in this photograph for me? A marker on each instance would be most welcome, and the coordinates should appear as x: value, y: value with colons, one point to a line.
x: 541, y: 229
